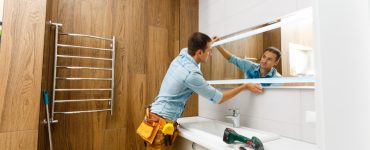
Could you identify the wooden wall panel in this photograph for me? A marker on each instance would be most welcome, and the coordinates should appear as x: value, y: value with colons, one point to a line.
x: 159, y: 17
x: 47, y: 73
x: 175, y: 29
x: 115, y: 139
x: 20, y: 62
x: 21, y: 57
x: 188, y: 20
x: 19, y: 140
x: 158, y: 60
x: 166, y: 17
x: 81, y: 131
x: 189, y: 14
x: 137, y: 38
x: 122, y: 31
x: 138, y: 99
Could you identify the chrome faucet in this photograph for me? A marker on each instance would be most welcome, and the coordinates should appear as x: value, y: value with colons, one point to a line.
x: 235, y: 117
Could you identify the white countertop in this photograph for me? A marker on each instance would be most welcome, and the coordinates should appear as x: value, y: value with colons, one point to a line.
x: 289, y: 144
x: 276, y: 87
x: 303, y: 79
x: 215, y: 142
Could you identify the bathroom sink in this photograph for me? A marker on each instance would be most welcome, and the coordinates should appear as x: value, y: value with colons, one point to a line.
x: 209, y: 133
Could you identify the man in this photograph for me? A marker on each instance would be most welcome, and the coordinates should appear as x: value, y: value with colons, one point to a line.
x: 181, y: 80
x: 265, y: 69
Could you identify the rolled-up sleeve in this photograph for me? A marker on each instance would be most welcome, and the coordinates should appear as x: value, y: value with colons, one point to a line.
x: 199, y: 85
x: 242, y: 64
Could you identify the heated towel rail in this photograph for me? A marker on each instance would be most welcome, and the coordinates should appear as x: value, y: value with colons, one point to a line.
x: 57, y: 79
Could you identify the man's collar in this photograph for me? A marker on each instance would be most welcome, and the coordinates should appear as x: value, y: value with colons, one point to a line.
x: 269, y: 74
x: 185, y: 53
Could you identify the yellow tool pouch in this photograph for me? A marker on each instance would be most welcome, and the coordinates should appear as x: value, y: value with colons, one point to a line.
x: 147, y: 132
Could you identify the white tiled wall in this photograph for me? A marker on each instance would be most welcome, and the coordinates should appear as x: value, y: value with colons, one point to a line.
x: 223, y: 17
x: 278, y: 110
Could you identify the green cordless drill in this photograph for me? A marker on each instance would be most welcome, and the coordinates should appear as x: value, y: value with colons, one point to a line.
x: 230, y: 136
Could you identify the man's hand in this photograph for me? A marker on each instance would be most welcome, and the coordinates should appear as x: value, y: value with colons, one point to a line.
x: 226, y: 54
x: 215, y: 38
x: 255, y: 88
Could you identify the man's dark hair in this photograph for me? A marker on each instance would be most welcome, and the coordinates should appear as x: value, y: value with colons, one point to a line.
x: 197, y: 41
x: 274, y: 50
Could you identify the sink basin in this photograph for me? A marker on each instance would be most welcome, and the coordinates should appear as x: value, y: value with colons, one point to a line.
x: 209, y: 133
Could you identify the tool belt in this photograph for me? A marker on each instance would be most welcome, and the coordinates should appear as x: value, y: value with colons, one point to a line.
x: 153, y: 123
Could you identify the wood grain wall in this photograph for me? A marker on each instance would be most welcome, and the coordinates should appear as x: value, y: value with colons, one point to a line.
x: 149, y: 35
x: 189, y: 14
x: 21, y: 56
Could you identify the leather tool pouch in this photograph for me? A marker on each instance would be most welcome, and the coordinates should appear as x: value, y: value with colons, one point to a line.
x: 146, y: 130
x: 174, y: 136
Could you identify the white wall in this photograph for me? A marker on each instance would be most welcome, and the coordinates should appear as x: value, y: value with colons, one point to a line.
x: 1, y: 10
x: 342, y: 65
x: 223, y: 17
x: 281, y: 111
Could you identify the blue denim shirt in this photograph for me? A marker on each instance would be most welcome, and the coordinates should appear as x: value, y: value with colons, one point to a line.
x: 252, y: 70
x: 183, y: 77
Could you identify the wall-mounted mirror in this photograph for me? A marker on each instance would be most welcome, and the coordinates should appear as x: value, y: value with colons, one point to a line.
x: 291, y: 34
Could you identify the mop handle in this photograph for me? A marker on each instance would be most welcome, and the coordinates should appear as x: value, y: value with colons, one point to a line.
x: 46, y: 96
x: 46, y: 102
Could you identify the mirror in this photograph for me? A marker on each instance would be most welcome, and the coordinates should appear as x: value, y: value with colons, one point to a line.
x: 292, y: 35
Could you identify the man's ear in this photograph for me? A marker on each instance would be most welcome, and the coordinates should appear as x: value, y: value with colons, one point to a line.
x: 199, y: 52
x: 277, y: 62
